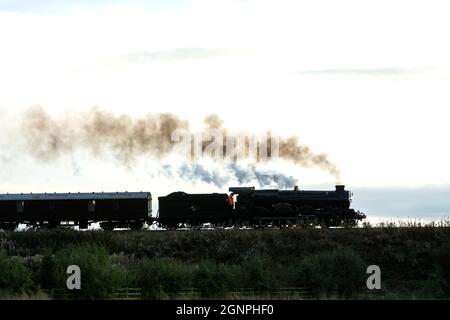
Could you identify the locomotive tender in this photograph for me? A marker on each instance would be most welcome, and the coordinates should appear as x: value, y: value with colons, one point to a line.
x: 253, y: 208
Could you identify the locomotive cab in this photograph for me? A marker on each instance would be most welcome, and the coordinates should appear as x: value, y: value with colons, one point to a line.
x: 244, y: 198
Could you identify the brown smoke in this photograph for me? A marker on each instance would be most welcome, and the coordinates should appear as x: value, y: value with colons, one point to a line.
x: 128, y: 138
x: 291, y: 149
x: 100, y: 131
x: 213, y: 121
x: 47, y: 139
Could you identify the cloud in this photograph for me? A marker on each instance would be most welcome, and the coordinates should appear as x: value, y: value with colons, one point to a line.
x: 386, y: 72
x: 64, y: 6
x: 427, y: 201
x: 179, y: 54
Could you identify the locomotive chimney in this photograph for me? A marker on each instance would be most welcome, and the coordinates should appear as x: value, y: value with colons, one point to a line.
x: 296, y: 188
x: 340, y: 188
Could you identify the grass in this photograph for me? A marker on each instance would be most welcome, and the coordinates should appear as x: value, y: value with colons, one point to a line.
x: 414, y: 261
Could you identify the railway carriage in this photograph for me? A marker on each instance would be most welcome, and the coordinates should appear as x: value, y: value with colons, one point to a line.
x: 111, y: 210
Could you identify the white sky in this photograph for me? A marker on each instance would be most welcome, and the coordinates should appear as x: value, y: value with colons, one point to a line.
x: 366, y: 82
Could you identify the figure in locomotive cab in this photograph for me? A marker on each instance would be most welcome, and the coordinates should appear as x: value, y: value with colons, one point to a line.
x: 231, y: 200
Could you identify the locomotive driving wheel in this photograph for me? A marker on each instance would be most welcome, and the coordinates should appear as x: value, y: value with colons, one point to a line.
x: 53, y: 224
x: 107, y: 226
x: 8, y: 226
x: 284, y: 210
x: 136, y: 225
x: 307, y: 210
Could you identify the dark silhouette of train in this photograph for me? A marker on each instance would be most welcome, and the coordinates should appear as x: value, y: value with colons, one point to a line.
x: 258, y: 208
x: 112, y: 210
x: 253, y: 209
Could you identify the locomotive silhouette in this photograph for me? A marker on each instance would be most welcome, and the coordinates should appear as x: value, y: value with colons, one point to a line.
x: 253, y: 209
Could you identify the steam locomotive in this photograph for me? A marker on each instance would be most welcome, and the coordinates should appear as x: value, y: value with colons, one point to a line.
x: 253, y: 208
x: 258, y: 208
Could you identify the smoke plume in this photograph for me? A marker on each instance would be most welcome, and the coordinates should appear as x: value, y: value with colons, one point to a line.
x: 100, y: 131
x: 291, y: 149
x: 228, y: 173
x: 128, y: 138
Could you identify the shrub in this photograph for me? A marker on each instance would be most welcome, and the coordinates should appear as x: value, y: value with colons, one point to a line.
x: 157, y: 276
x: 99, y: 276
x: 257, y: 273
x: 213, y: 278
x: 341, y: 271
x: 14, y: 276
x: 46, y: 275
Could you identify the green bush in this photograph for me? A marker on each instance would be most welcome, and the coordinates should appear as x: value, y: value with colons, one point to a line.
x: 14, y: 276
x: 257, y: 273
x: 161, y: 275
x: 99, y: 276
x: 442, y: 260
x: 339, y: 271
x: 47, y: 274
x: 212, y: 278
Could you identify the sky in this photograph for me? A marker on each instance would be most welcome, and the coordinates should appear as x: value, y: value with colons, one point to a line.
x: 365, y: 82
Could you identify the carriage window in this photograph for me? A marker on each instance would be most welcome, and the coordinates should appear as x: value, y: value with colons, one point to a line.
x: 20, y: 206
x: 91, y: 206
